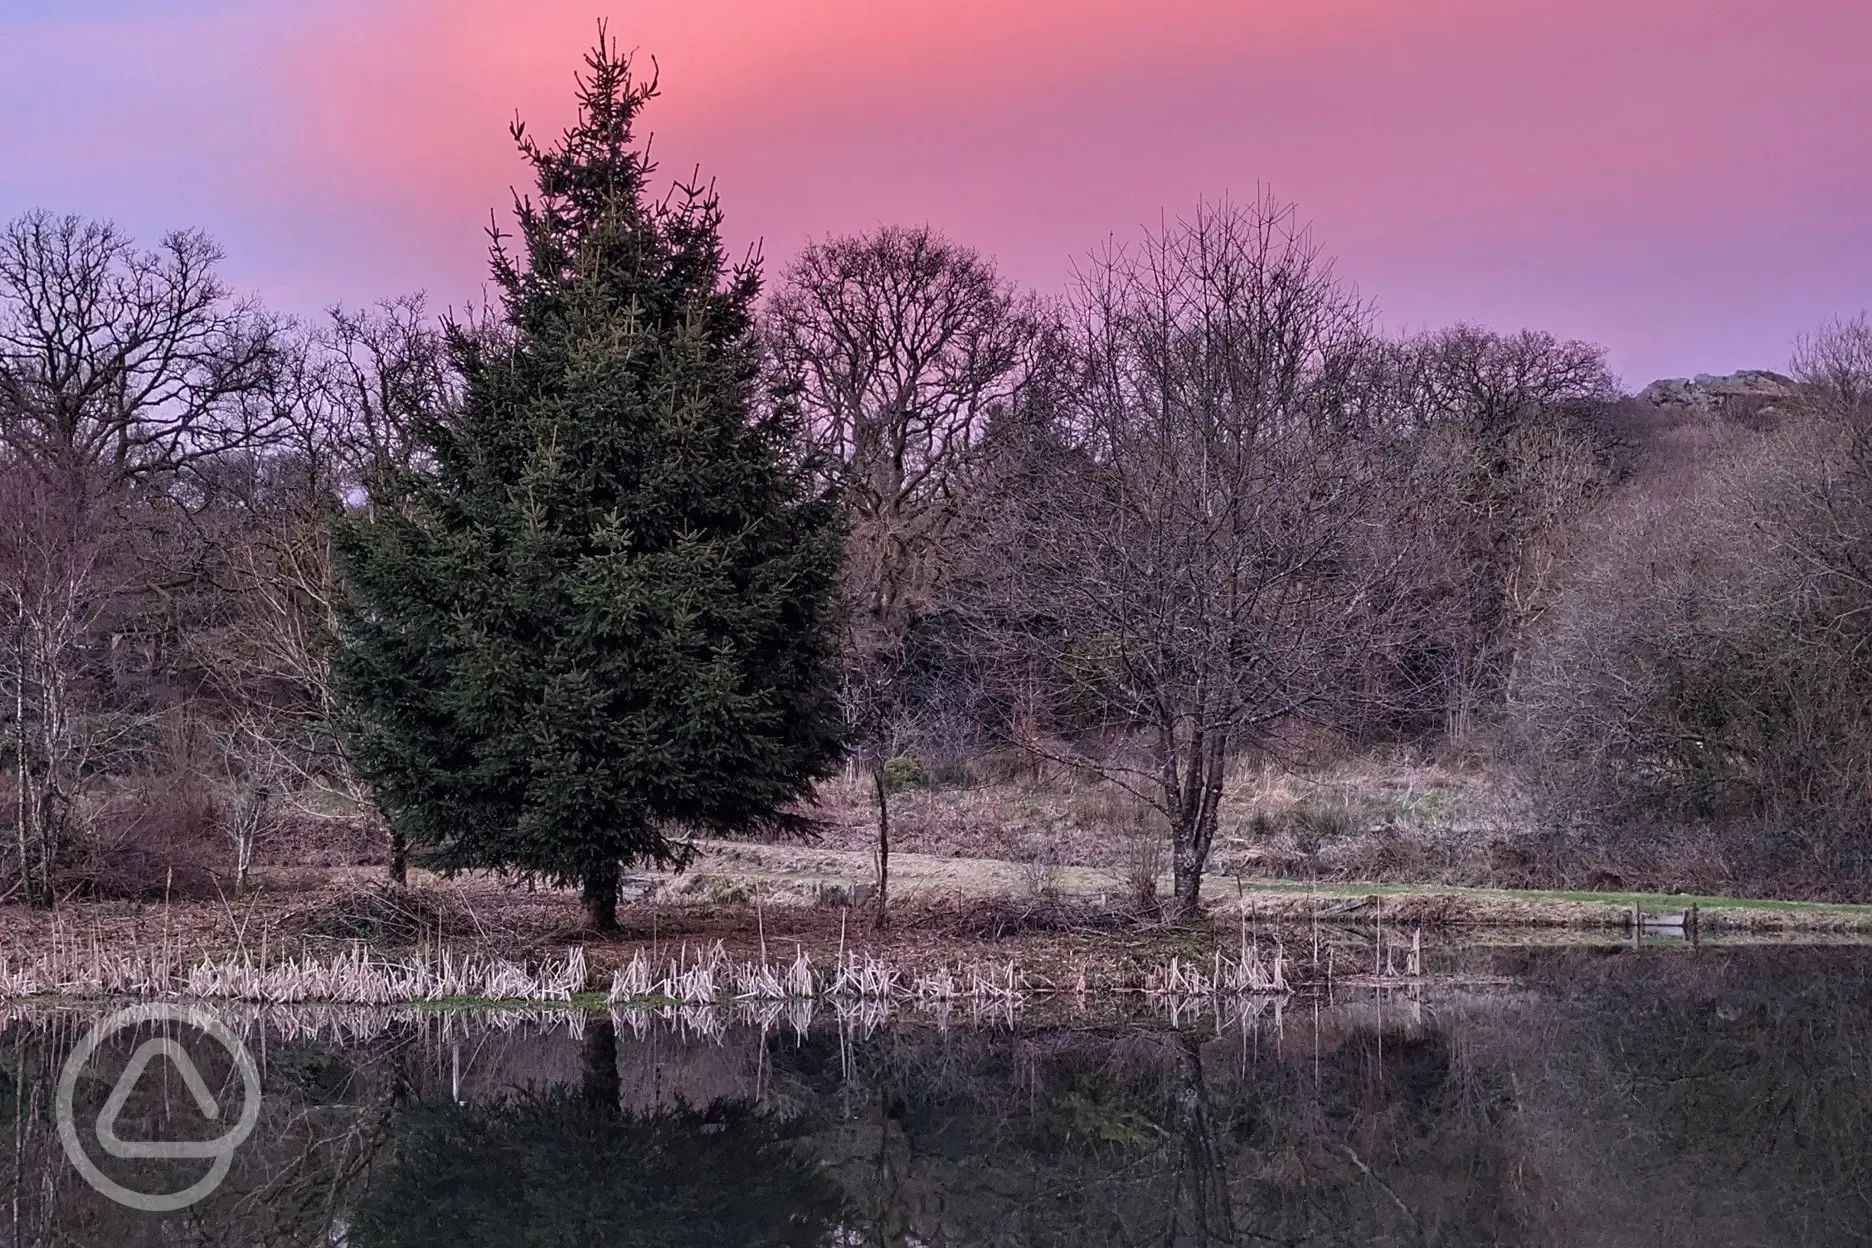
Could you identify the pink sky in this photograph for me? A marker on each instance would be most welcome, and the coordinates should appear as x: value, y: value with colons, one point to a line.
x: 1685, y: 181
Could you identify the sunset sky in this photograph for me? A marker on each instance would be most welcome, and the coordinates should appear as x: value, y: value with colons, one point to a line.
x: 1686, y: 181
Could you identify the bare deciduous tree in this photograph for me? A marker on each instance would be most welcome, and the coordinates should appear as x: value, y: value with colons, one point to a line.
x: 60, y: 573
x: 347, y: 403
x: 899, y: 346
x: 1187, y: 551
x: 121, y: 371
x: 130, y: 362
x: 1504, y: 466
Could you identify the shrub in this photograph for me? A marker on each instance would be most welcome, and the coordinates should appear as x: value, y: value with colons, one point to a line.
x: 952, y: 774
x: 1712, y: 659
x: 902, y: 772
x: 1315, y: 823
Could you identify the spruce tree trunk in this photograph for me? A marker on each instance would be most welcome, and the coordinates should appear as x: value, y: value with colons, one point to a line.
x: 399, y: 859
x: 881, y: 919
x: 599, y: 895
x: 600, y: 1084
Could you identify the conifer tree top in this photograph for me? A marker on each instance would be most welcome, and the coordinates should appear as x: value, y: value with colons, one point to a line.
x: 592, y: 221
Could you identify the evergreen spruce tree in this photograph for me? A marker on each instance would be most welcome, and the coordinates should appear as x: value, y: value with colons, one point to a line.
x: 599, y: 612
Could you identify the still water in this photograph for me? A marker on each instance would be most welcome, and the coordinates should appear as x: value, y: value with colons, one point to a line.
x: 1539, y: 1097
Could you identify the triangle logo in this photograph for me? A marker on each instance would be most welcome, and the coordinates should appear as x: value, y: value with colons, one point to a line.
x: 179, y: 1058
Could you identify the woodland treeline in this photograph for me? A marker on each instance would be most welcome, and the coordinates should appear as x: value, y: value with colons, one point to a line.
x: 1195, y: 508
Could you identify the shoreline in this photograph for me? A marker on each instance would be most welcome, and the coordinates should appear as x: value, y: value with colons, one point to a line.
x: 342, y: 938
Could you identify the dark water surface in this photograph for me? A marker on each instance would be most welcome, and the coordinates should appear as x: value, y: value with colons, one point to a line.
x: 1560, y: 1097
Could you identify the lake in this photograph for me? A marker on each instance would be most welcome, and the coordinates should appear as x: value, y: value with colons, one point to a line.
x: 1525, y: 1096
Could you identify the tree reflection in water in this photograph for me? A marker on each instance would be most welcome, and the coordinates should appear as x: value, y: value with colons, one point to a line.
x: 1595, y: 1099
x: 569, y: 1166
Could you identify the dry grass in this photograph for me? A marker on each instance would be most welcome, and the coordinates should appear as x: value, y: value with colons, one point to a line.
x: 999, y: 847
x: 353, y: 976
x: 1075, y: 823
x: 357, y: 976
x: 1384, y: 817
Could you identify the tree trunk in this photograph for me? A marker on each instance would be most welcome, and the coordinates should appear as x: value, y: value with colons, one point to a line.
x: 1186, y: 869
x: 399, y: 859
x: 881, y: 919
x: 1198, y: 801
x: 600, y: 1084
x: 599, y: 896
x: 48, y: 837
x: 22, y: 818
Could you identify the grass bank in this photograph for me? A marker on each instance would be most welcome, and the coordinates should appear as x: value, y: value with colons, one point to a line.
x: 736, y: 874
x: 761, y: 923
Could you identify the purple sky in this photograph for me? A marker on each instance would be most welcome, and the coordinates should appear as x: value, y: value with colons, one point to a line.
x: 1686, y: 181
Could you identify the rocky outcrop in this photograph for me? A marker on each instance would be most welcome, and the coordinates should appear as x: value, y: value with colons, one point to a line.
x: 1752, y: 385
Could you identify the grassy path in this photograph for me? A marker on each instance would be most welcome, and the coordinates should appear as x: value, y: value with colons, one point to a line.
x: 1648, y: 902
x: 778, y: 870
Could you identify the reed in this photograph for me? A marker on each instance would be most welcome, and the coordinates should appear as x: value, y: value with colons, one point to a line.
x: 353, y: 976
x: 696, y: 976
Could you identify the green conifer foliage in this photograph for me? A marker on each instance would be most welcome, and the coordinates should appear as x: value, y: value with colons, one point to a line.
x: 599, y: 613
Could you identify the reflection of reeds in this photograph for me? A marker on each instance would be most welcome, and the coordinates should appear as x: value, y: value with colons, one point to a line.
x: 712, y: 977
x: 1224, y: 977
x: 344, y: 1025
x: 855, y: 1018
x: 1223, y: 1011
